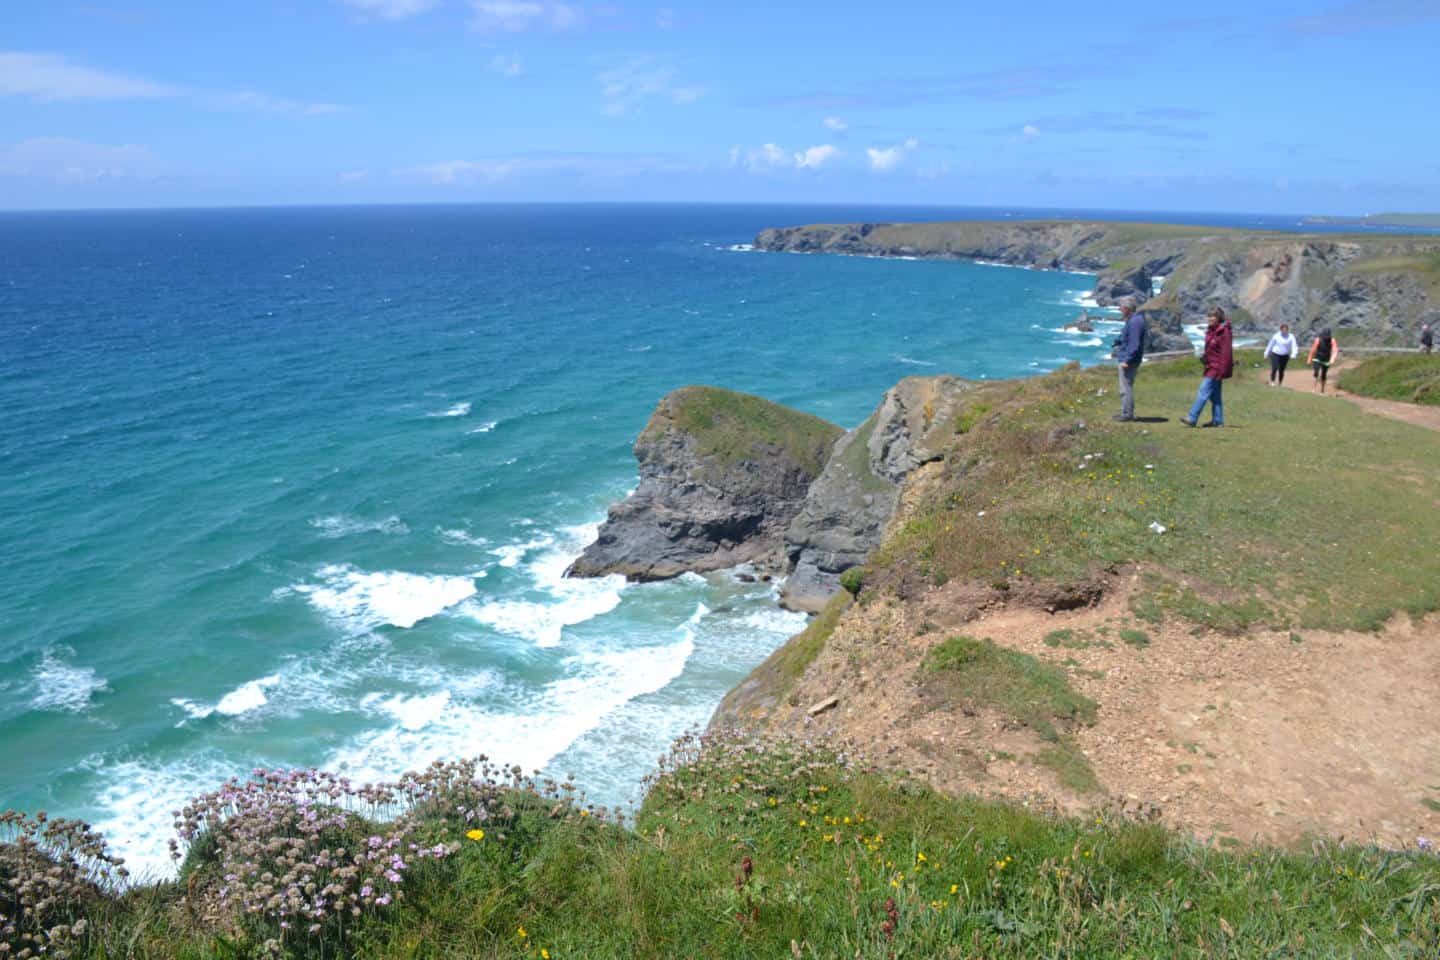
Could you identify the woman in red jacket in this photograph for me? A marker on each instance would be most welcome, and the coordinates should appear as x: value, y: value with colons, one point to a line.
x: 1219, y: 367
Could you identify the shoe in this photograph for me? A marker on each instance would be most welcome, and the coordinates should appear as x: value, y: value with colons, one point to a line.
x: 1187, y: 421
x: 1212, y: 423
x: 1120, y: 418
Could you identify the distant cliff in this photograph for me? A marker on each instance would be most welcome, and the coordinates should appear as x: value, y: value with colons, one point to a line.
x: 1371, y: 289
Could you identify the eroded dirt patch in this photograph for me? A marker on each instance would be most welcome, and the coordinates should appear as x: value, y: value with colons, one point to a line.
x: 1265, y: 736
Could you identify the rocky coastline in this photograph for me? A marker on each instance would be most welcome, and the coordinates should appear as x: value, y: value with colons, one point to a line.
x: 729, y: 479
x: 1370, y: 289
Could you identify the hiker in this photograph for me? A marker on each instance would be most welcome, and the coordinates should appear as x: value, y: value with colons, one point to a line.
x: 1219, y: 366
x: 1130, y: 352
x: 1323, y: 352
x: 1280, y: 349
x: 1427, y: 339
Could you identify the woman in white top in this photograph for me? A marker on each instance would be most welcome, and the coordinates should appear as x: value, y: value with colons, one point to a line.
x: 1280, y: 349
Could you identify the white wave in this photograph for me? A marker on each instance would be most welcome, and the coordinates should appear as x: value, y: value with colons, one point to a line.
x: 741, y: 247
x: 461, y: 409
x: 566, y: 601
x: 341, y: 525
x: 416, y: 713
x: 485, y: 427
x: 364, y: 601
x: 914, y: 362
x: 136, y: 798
x: 512, y: 553
x: 246, y: 697
x: 1083, y: 298
x: 63, y: 686
x: 461, y: 538
x: 643, y: 348
x: 782, y: 622
x: 530, y: 733
x: 243, y: 699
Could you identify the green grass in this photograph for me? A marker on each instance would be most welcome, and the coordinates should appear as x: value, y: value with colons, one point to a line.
x: 1304, y: 512
x: 983, y: 674
x: 1424, y: 265
x: 1135, y: 638
x: 1409, y: 378
x: 834, y: 854
x: 733, y: 427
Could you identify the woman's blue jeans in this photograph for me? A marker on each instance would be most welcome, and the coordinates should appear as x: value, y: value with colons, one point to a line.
x: 1210, y: 391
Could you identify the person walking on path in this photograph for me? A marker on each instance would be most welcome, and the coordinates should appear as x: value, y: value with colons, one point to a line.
x: 1427, y: 339
x: 1219, y: 366
x: 1323, y: 352
x: 1130, y: 352
x: 1280, y: 349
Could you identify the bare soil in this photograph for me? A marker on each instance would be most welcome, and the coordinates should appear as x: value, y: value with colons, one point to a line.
x: 1301, y: 379
x: 1262, y: 737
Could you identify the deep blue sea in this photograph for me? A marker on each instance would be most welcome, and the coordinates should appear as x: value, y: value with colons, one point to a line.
x: 297, y: 486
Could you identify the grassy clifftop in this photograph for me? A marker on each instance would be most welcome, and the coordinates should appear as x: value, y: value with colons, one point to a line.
x: 757, y: 848
x: 730, y: 426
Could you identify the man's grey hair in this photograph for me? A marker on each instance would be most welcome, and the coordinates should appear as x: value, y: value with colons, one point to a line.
x: 1127, y: 303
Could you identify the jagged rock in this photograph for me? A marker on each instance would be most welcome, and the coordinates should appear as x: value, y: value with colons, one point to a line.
x: 1081, y: 324
x: 722, y: 474
x: 850, y: 504
x: 1379, y: 288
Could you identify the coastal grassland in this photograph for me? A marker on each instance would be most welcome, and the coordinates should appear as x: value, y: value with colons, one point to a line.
x: 776, y: 676
x: 1302, y: 512
x: 730, y: 426
x: 1423, y: 265
x: 1409, y: 378
x: 761, y: 848
x: 978, y: 673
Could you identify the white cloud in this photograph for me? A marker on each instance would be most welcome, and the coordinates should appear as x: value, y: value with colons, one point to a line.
x: 772, y: 156
x: 507, y: 66
x: 518, y: 15
x: 1030, y: 130
x: 77, y: 161
x: 390, y: 9
x: 354, y: 176
x: 491, y: 170
x: 814, y: 158
x: 629, y: 84
x: 46, y: 76
x: 885, y: 159
x: 836, y: 124
x: 665, y: 18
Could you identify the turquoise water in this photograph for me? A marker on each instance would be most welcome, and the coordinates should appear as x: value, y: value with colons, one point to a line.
x: 294, y: 487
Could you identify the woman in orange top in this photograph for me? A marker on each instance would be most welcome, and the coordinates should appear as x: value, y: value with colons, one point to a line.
x: 1323, y: 352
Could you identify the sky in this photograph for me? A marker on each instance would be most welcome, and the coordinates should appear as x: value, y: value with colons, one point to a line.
x: 1254, y: 106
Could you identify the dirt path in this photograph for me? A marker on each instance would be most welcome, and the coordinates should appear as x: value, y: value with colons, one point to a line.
x: 1263, y: 737
x: 1300, y: 379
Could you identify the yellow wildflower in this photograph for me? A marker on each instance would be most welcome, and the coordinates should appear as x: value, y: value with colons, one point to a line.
x: 954, y: 888
x: 476, y: 834
x: 520, y: 932
x: 544, y: 954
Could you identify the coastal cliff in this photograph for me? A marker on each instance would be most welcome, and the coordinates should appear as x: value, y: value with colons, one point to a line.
x: 722, y: 475
x: 1370, y: 289
x: 847, y: 509
x: 726, y: 478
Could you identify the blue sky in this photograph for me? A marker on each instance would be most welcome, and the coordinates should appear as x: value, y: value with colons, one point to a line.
x: 1268, y: 107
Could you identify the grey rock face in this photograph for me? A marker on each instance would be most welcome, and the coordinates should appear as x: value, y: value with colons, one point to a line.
x: 848, y: 508
x: 702, y: 504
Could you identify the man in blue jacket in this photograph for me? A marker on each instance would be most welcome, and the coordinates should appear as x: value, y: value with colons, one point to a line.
x: 1129, y: 352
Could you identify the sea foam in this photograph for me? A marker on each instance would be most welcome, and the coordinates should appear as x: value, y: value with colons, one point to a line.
x: 363, y: 601
x: 342, y: 525
x: 59, y: 685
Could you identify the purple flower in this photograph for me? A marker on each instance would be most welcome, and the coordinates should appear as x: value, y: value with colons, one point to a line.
x: 383, y: 900
x: 1424, y: 844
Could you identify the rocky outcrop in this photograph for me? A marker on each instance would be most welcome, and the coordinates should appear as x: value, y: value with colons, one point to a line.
x: 1378, y: 288
x: 722, y: 475
x: 849, y: 506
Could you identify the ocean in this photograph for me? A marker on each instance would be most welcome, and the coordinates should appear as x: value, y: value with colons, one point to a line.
x: 297, y: 486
